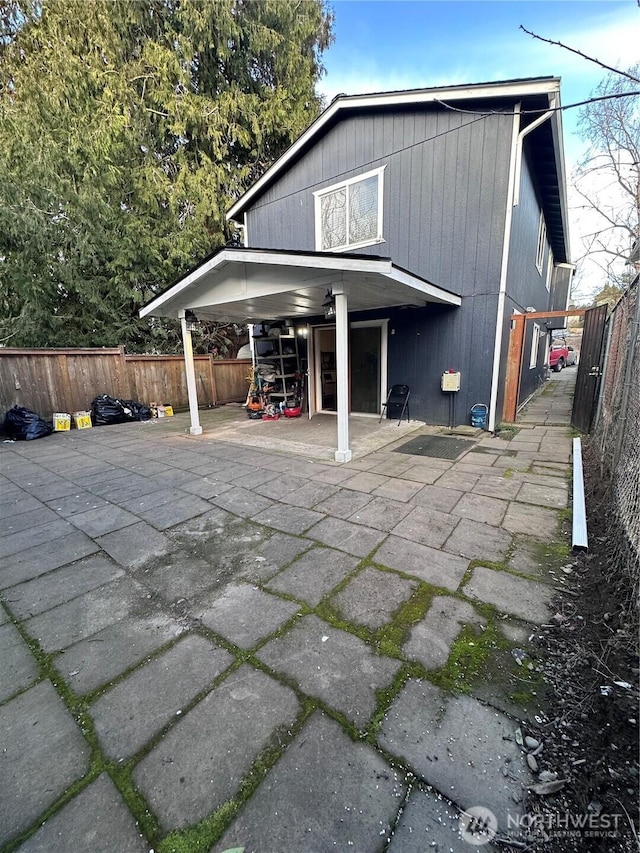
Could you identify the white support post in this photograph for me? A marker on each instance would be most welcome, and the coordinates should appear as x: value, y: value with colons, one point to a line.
x: 342, y: 454
x: 195, y: 428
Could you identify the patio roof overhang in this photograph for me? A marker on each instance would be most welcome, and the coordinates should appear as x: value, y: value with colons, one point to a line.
x: 245, y: 285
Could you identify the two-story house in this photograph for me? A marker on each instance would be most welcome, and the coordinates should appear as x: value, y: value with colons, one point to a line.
x: 424, y: 220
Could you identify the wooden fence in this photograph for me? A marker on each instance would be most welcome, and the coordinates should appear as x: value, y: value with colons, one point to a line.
x: 67, y: 380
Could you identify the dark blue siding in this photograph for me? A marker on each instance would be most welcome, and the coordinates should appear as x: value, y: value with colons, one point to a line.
x: 445, y: 187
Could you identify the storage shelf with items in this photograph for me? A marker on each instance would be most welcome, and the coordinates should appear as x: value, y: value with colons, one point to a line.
x: 278, y: 363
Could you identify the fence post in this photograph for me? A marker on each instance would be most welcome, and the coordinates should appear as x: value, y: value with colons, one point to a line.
x: 214, y: 388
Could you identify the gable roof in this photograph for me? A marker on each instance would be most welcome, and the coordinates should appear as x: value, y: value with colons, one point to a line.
x: 536, y: 95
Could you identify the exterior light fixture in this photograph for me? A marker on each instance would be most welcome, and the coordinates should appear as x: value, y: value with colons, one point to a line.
x: 329, y: 306
x: 191, y: 321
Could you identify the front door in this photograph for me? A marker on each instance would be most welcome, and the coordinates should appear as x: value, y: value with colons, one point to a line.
x: 367, y: 367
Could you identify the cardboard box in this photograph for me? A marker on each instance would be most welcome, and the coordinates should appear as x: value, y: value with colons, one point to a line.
x: 61, y: 422
x: 82, y: 420
x: 160, y: 411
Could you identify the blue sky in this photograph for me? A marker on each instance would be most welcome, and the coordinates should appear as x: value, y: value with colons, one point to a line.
x: 382, y: 45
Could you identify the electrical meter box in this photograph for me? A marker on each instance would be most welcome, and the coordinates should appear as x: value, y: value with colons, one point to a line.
x: 450, y: 381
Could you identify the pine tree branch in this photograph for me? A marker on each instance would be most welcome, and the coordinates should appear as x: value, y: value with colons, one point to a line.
x: 580, y: 53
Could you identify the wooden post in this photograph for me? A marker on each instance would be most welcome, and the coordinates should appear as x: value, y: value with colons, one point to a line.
x: 514, y: 363
x: 214, y: 388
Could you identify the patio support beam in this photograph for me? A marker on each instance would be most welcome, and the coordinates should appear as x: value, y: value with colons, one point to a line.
x: 343, y: 453
x: 195, y: 428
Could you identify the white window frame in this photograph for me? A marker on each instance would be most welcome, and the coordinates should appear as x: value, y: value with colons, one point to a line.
x: 542, y: 239
x: 318, y: 194
x: 535, y: 346
x: 547, y: 283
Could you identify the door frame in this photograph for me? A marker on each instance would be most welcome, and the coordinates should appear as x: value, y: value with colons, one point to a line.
x: 315, y: 372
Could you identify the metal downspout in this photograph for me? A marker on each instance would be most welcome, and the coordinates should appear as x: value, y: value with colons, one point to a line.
x: 513, y: 199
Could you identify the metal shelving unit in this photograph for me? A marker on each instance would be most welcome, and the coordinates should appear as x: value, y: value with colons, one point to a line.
x: 280, y: 353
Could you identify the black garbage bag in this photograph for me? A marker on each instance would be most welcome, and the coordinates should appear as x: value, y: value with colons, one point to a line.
x: 107, y: 410
x: 22, y: 424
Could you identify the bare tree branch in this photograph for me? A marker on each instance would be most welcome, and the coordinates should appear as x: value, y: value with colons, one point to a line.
x: 580, y: 53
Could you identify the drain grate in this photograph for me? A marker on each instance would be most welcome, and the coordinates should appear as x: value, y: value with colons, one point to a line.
x: 437, y: 446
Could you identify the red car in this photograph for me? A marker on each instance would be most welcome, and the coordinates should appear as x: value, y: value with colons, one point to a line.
x: 558, y: 356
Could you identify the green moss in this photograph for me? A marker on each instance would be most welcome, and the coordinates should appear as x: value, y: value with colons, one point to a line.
x: 204, y: 834
x: 390, y: 638
x: 468, y: 654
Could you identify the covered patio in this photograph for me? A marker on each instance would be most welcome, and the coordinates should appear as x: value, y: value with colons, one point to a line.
x: 254, y: 285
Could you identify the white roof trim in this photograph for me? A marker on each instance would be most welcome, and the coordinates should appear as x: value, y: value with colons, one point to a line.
x: 320, y: 261
x: 517, y: 88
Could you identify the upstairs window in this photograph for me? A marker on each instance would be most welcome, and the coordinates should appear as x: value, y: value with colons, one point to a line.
x: 349, y: 215
x: 542, y: 239
x: 535, y: 345
x: 549, y: 271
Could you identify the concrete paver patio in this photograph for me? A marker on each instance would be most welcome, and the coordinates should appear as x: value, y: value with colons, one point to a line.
x: 208, y: 644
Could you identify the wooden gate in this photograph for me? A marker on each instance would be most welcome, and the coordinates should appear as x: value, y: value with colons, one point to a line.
x: 589, y: 369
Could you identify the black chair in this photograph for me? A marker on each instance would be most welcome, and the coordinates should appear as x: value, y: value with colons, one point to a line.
x: 397, y: 403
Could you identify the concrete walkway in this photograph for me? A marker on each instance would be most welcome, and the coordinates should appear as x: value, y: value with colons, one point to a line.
x: 206, y: 646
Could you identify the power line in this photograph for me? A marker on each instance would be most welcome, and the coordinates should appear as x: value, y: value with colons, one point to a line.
x: 538, y: 111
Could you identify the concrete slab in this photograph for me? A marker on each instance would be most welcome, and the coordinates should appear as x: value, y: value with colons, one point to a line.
x: 431, y: 639
x: 288, y: 519
x: 180, y: 577
x: 233, y: 614
x: 497, y: 486
x: 96, y: 821
x: 33, y: 537
x: 365, y: 482
x: 372, y: 597
x: 325, y: 793
x: 509, y: 594
x: 54, y: 588
x: 422, y: 474
x: 206, y: 487
x: 532, y: 521
x: 459, y: 480
x: 429, y: 564
x: 352, y: 538
x: 481, y: 508
x: 381, y: 513
x: 87, y: 614
x: 43, y: 753
x: 332, y: 665
x: 18, y: 667
x: 461, y: 747
x: 26, y: 519
x: 184, y: 782
x: 427, y: 526
x: 97, y: 522
x: 78, y: 501
x: 135, y: 544
x: 436, y: 496
x: 276, y: 487
x: 429, y: 822
x: 475, y: 540
x: 344, y: 503
x: 398, y: 489
x: 314, y: 575
x: 335, y: 476
x: 310, y: 494
x: 275, y: 552
x: 37, y: 560
x: 543, y: 496
x: 242, y: 502
x: 137, y: 708
x: 103, y: 656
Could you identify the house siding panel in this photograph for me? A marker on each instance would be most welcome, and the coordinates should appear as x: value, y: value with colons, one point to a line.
x: 445, y: 187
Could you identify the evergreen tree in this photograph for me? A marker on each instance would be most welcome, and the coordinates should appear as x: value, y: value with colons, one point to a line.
x: 126, y: 131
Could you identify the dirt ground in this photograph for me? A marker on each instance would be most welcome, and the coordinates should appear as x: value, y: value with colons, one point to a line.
x: 589, y: 656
